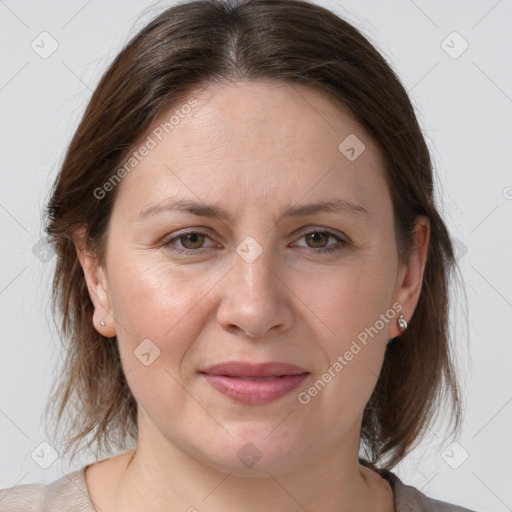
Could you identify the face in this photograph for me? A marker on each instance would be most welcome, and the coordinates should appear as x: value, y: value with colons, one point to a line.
x: 256, y: 278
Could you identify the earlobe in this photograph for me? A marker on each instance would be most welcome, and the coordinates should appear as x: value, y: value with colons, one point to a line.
x: 97, y: 286
x: 410, y: 278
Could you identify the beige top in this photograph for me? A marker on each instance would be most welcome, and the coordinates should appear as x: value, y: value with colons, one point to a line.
x: 69, y: 494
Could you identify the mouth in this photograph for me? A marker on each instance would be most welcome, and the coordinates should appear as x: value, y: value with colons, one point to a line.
x: 254, y: 384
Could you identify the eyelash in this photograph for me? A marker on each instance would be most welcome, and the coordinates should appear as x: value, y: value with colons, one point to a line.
x: 326, y: 250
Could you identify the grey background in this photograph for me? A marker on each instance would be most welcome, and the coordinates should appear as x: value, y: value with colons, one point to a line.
x: 464, y: 103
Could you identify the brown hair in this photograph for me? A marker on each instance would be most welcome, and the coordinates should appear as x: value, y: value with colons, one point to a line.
x: 291, y: 41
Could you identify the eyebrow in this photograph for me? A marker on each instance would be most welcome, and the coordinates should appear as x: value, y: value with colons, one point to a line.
x: 216, y: 211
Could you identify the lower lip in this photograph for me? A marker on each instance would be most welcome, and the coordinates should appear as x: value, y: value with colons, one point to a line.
x: 255, y: 392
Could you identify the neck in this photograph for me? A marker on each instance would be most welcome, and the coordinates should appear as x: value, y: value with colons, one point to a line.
x: 173, y: 480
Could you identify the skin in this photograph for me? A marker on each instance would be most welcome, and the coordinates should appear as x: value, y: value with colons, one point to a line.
x: 255, y: 148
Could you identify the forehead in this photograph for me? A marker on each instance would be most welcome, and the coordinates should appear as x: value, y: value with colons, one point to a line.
x: 241, y: 116
x: 262, y: 142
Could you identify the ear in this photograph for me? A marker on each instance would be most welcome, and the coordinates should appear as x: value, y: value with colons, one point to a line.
x: 97, y: 285
x: 410, y: 276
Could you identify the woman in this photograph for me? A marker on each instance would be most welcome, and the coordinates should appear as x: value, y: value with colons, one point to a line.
x: 252, y: 273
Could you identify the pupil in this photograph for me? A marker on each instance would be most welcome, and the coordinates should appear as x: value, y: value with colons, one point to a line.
x: 192, y: 238
x: 317, y: 236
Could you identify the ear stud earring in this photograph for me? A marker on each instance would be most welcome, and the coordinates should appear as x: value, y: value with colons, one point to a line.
x: 102, y: 323
x: 402, y: 324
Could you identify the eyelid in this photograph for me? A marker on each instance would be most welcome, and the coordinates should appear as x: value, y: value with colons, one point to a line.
x: 318, y: 229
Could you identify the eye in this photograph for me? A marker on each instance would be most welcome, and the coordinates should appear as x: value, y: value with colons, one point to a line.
x: 190, y: 241
x: 193, y: 241
x: 317, y: 240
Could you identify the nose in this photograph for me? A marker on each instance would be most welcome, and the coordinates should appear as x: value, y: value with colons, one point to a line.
x: 255, y: 298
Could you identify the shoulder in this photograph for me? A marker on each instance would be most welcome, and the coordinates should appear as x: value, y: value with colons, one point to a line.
x: 67, y: 494
x: 410, y: 499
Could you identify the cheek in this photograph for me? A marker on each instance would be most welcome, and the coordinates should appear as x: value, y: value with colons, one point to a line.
x: 159, y: 313
x: 153, y: 301
x: 353, y: 306
x: 350, y: 300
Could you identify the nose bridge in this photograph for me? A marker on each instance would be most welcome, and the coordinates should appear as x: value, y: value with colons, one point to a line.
x: 254, y: 299
x: 252, y: 264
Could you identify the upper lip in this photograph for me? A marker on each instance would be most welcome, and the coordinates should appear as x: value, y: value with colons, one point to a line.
x: 244, y: 369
